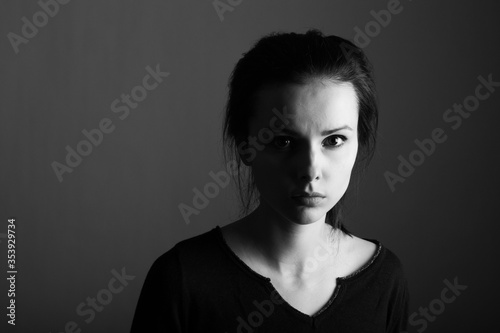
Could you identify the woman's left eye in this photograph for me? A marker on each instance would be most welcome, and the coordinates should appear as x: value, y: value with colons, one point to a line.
x: 334, y: 141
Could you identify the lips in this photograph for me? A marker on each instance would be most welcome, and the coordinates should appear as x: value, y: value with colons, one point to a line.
x: 308, y: 195
x: 308, y: 199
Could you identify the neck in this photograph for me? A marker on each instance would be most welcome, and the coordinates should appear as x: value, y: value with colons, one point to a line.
x: 290, y: 247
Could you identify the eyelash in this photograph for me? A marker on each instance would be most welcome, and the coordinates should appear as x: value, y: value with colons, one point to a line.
x: 289, y: 139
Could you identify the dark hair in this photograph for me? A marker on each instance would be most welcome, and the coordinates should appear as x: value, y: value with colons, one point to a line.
x: 283, y: 58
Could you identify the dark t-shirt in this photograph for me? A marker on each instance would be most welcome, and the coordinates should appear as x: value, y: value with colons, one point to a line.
x: 201, y: 285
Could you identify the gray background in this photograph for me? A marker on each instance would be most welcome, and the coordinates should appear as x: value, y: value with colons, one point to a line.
x: 119, y: 207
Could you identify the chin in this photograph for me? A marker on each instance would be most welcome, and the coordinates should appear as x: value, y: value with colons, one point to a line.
x: 306, y: 215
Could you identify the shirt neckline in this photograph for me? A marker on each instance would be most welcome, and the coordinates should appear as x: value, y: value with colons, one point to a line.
x: 340, y: 280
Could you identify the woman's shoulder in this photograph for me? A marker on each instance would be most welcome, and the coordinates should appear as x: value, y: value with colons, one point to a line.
x: 360, y: 251
x: 194, y: 245
x: 366, y: 254
x: 191, y: 252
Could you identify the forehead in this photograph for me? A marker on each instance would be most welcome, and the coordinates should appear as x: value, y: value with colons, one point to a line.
x: 316, y: 105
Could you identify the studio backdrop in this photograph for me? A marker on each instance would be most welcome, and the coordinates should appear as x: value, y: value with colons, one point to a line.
x: 111, y: 148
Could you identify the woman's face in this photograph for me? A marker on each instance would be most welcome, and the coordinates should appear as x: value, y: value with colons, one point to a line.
x: 303, y: 169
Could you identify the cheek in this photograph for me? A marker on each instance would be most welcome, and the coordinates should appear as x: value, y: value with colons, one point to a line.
x: 340, y: 168
x: 350, y: 155
x: 351, y: 159
x: 269, y: 173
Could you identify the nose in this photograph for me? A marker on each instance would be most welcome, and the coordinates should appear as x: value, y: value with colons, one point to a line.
x: 309, y: 164
x: 309, y: 178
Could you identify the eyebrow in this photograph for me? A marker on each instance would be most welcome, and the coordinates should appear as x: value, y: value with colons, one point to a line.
x: 324, y: 133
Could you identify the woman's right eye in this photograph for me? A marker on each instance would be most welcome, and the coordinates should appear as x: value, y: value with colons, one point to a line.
x: 282, y: 142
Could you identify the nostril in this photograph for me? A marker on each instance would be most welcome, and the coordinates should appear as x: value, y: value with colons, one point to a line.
x: 309, y: 178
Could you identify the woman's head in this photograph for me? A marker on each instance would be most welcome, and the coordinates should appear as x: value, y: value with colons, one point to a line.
x: 306, y: 83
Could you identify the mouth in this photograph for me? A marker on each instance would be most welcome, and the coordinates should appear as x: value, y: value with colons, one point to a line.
x: 308, y: 195
x: 308, y: 199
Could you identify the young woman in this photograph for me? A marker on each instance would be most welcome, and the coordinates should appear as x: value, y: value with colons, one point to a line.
x: 301, y: 118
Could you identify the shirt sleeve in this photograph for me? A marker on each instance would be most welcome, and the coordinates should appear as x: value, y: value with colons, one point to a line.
x: 160, y: 305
